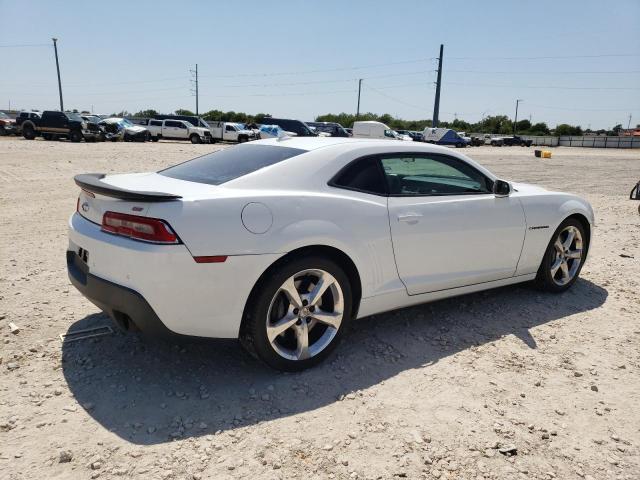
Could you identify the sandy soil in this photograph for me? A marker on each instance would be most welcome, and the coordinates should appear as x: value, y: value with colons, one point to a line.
x: 510, y: 383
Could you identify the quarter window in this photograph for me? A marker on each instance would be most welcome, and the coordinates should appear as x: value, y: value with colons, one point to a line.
x: 413, y: 175
x: 363, y: 175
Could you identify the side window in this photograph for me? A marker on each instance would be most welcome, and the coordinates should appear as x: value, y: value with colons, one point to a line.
x: 414, y: 175
x: 363, y: 175
x: 156, y: 123
x: 181, y: 125
x: 172, y: 123
x: 229, y: 128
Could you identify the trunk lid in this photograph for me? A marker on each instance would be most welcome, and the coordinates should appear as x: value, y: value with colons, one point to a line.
x: 132, y: 193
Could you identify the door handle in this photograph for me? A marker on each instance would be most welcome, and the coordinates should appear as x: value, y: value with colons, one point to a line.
x: 409, y: 217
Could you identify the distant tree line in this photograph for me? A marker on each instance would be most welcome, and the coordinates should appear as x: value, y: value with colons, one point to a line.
x: 496, y: 124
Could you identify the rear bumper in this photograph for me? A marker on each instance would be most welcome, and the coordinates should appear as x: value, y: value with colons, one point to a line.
x: 161, y: 287
x: 126, y: 307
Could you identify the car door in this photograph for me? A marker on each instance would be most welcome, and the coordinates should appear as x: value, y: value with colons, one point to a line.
x: 230, y: 133
x: 448, y: 229
x: 171, y: 129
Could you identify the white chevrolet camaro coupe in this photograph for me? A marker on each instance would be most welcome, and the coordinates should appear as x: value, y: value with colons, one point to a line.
x: 282, y: 242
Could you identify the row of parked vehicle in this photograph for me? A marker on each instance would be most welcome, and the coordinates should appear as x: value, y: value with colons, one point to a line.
x: 373, y: 129
x: 52, y: 125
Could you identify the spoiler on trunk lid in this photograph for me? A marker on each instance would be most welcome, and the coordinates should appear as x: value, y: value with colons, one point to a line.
x: 92, y: 183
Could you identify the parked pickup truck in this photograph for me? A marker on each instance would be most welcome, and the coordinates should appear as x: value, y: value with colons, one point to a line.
x: 177, y: 130
x: 516, y: 141
x: 231, y: 132
x: 53, y: 125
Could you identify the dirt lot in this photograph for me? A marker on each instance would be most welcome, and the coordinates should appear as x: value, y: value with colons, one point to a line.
x: 510, y: 383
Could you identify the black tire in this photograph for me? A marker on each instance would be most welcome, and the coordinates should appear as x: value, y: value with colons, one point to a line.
x: 147, y: 137
x: 242, y: 139
x: 75, y: 136
x: 544, y: 278
x: 3, y: 132
x: 28, y: 132
x: 155, y: 139
x: 195, y: 138
x: 254, y: 324
x: 47, y: 136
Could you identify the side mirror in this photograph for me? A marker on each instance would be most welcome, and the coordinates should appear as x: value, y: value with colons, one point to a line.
x: 501, y: 188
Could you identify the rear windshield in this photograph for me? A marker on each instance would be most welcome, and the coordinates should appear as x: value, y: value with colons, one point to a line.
x: 234, y: 162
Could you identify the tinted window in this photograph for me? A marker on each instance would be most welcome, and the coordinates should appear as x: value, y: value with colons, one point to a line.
x: 170, y: 123
x: 433, y: 175
x: 157, y: 123
x: 225, y: 165
x: 294, y: 126
x: 363, y: 175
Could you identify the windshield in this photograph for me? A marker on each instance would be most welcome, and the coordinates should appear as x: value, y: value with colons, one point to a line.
x: 74, y: 116
x: 224, y: 165
x: 203, y: 123
x: 126, y: 123
x: 390, y: 133
x: 3, y: 115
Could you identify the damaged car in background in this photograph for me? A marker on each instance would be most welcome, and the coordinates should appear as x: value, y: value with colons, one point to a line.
x: 117, y: 129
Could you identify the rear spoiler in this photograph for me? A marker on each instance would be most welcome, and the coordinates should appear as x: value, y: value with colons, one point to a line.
x: 91, y: 182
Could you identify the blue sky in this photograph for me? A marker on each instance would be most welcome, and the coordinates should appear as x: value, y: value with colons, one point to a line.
x: 303, y: 58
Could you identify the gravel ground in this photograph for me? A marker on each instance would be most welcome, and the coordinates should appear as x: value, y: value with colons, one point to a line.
x: 509, y: 383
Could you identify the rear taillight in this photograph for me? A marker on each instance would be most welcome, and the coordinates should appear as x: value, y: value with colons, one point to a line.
x: 139, y: 228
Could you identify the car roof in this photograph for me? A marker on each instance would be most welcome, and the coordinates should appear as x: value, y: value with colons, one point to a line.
x: 322, y: 157
x: 350, y: 143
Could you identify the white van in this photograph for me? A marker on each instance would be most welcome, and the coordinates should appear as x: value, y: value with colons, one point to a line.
x: 371, y: 129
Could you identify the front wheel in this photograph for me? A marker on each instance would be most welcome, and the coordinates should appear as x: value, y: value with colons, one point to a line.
x: 564, y: 257
x: 195, y: 138
x: 298, y: 314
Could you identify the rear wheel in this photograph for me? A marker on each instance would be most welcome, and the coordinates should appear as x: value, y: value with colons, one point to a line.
x: 298, y: 314
x: 75, y: 136
x: 195, y: 138
x: 28, y: 132
x: 564, y: 257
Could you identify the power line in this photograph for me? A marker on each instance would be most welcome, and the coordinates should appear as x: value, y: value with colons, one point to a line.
x: 550, y: 87
x: 304, y: 72
x: 544, y: 72
x: 25, y: 45
x: 549, y: 57
x: 587, y: 109
x: 394, y: 98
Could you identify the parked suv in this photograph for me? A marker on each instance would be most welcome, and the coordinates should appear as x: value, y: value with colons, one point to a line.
x: 333, y: 129
x: 178, y: 130
x: 301, y: 129
x: 53, y: 125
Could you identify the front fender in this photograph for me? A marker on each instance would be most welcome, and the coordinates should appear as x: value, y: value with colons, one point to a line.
x: 544, y: 213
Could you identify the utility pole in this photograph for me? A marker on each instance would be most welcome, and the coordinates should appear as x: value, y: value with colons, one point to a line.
x: 55, y: 48
x: 195, y: 73
x: 515, y: 122
x: 436, y: 104
x: 359, y: 89
x: 629, y: 122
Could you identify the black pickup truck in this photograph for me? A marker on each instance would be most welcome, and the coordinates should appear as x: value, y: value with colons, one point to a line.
x: 515, y: 141
x: 53, y: 125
